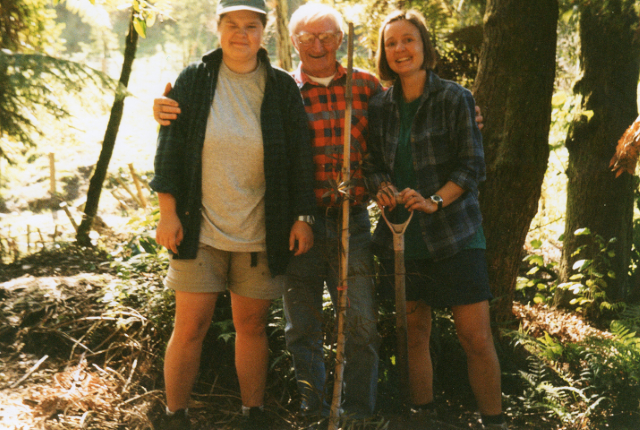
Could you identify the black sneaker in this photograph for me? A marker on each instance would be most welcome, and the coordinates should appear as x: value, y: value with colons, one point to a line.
x: 256, y: 419
x: 178, y: 421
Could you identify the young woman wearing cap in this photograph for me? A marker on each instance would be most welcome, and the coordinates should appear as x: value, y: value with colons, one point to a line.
x: 233, y: 175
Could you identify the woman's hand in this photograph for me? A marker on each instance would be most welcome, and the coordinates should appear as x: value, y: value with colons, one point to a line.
x: 302, y: 233
x: 387, y: 196
x: 169, y: 232
x: 414, y: 201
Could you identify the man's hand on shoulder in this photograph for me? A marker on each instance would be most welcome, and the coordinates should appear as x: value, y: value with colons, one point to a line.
x: 479, y: 118
x: 165, y: 109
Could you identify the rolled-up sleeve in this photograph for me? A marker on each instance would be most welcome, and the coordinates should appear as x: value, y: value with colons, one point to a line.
x: 299, y: 138
x: 469, y: 170
x: 170, y: 150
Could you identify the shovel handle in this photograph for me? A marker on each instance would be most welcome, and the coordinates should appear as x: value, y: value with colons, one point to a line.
x: 397, y: 229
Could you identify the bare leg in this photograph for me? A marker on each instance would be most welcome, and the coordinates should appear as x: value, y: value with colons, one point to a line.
x: 252, y: 349
x: 182, y: 358
x: 420, y: 366
x: 474, y: 331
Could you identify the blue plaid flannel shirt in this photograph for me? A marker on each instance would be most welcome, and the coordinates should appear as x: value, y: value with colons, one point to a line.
x: 447, y: 146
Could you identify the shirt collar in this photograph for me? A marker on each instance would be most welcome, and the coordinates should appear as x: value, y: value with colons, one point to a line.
x: 433, y: 84
x: 302, y: 78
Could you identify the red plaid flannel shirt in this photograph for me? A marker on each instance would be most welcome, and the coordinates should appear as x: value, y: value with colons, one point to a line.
x: 325, y: 108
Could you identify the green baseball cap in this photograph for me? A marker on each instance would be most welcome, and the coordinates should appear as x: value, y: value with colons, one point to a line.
x: 225, y: 6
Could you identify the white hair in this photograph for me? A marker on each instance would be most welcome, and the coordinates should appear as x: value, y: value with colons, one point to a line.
x: 313, y: 12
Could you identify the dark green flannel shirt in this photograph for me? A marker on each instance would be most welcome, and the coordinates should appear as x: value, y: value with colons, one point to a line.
x: 288, y: 163
x: 446, y: 146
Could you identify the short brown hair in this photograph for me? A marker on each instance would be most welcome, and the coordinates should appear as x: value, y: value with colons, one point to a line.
x: 416, y: 18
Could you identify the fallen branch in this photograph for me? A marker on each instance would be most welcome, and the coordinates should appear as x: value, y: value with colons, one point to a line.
x: 29, y: 372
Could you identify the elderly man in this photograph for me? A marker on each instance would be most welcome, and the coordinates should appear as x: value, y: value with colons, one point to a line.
x: 316, y: 34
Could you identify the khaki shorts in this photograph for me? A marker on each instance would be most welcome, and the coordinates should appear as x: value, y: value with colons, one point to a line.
x: 215, y: 271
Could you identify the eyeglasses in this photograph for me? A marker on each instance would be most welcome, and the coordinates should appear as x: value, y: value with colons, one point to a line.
x: 307, y: 39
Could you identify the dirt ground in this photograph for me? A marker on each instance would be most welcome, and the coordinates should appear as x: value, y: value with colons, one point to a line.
x: 52, y: 377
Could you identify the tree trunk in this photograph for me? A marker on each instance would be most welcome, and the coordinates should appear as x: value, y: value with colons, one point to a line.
x: 596, y: 199
x: 514, y: 87
x: 283, y: 40
x: 100, y: 173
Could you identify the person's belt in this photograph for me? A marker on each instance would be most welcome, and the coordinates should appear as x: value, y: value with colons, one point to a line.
x: 334, y: 212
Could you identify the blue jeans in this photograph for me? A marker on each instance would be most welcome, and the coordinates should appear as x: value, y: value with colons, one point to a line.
x: 307, y: 275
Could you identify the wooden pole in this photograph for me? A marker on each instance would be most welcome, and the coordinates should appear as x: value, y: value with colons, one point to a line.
x: 128, y: 190
x: 334, y: 417
x: 136, y: 181
x: 52, y: 173
x: 65, y: 208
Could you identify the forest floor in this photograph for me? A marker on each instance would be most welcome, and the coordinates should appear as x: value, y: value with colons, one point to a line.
x: 69, y: 361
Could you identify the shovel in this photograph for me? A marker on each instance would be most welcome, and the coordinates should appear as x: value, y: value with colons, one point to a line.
x: 401, y: 301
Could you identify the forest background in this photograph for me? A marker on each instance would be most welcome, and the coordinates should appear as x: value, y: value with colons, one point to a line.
x: 84, y: 317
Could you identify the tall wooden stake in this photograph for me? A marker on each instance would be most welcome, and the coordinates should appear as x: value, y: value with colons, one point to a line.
x: 52, y: 174
x: 334, y: 418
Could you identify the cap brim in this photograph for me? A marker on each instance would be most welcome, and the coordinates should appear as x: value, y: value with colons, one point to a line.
x: 242, y: 7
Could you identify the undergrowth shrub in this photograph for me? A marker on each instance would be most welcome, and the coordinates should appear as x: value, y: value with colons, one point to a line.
x: 583, y: 383
x: 591, y: 283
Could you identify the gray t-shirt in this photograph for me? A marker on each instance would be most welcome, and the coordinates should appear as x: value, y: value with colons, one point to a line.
x: 233, y: 182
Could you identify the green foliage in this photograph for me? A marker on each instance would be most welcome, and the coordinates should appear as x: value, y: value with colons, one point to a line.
x: 459, y: 55
x: 583, y: 383
x: 27, y: 26
x: 536, y: 284
x: 589, y: 284
x: 33, y: 83
x: 190, y: 29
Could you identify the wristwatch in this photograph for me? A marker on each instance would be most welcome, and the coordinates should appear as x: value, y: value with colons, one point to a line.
x: 309, y: 219
x: 437, y: 200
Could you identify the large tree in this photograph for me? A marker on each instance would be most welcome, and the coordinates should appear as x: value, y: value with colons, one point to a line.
x: 596, y: 199
x: 514, y: 87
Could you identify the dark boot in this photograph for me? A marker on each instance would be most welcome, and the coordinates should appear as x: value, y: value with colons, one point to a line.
x: 256, y: 419
x: 178, y: 421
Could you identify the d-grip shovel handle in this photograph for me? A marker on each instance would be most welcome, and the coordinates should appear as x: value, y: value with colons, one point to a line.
x: 398, y: 229
x: 401, y: 301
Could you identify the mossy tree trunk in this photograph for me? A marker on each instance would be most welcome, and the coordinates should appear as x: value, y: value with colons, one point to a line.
x: 284, y: 42
x: 100, y: 172
x: 596, y: 199
x: 514, y: 87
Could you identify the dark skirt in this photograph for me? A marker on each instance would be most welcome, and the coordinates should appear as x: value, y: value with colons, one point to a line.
x: 458, y: 280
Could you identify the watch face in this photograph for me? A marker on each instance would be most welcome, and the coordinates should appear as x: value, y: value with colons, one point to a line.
x: 437, y: 200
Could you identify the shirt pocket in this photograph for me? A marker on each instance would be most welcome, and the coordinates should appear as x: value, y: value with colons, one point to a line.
x: 433, y: 149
